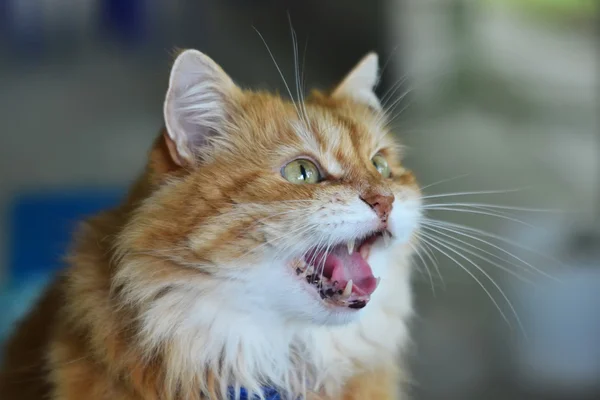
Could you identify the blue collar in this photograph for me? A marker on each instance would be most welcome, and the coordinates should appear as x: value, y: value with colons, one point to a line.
x: 270, y: 394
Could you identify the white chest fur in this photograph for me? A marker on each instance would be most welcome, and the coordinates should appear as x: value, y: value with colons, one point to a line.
x: 257, y: 348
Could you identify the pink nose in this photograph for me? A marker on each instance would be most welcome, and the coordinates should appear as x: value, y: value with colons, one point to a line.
x: 380, y: 203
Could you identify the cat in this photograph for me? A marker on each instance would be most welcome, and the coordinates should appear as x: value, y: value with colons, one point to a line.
x: 265, y: 247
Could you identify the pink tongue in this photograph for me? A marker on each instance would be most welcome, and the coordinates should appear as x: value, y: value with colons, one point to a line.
x: 342, y: 267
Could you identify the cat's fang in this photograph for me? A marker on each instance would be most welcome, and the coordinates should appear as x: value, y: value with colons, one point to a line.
x: 386, y: 238
x: 365, y: 251
x: 348, y: 289
x: 308, y: 270
x: 350, y: 245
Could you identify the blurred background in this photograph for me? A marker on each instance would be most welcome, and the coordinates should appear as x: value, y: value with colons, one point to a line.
x: 487, y: 95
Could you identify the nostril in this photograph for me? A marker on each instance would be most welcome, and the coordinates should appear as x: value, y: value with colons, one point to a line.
x: 381, y: 204
x: 367, y: 202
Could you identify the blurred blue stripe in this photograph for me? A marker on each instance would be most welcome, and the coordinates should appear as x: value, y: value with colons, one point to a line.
x: 41, y: 224
x: 126, y: 18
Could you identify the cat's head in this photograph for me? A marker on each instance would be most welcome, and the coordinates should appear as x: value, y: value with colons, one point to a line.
x: 295, y: 210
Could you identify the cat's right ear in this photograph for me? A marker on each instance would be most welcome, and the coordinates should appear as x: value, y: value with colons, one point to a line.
x: 360, y: 82
x: 197, y: 106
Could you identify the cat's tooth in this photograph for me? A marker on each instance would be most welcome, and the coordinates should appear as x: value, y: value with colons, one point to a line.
x: 350, y: 245
x: 386, y: 239
x: 377, y: 282
x: 348, y: 289
x: 364, y: 252
x: 307, y: 270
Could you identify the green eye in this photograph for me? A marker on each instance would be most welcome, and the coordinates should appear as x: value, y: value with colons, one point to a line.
x: 382, y: 166
x: 301, y: 171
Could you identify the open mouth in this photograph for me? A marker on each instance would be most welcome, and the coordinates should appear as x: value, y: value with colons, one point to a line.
x: 342, y: 276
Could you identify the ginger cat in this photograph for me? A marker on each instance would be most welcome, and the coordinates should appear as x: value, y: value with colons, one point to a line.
x: 265, y: 248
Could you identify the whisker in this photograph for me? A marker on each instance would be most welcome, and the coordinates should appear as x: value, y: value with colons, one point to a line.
x: 505, y: 213
x: 278, y: 70
x: 392, y: 107
x: 321, y: 269
x: 416, y: 251
x: 284, y: 249
x: 494, y: 263
x: 298, y: 233
x: 302, y: 78
x: 303, y: 85
x: 472, y: 276
x: 317, y: 248
x: 433, y: 260
x: 475, y: 192
x: 508, y: 302
x: 456, y: 228
x: 391, y: 92
x: 300, y: 230
x: 299, y: 93
x: 491, y: 214
x: 261, y: 221
x: 279, y: 214
x: 494, y: 206
x: 384, y: 118
x: 444, y: 181
x: 397, y: 115
x: 386, y: 63
x: 396, y: 101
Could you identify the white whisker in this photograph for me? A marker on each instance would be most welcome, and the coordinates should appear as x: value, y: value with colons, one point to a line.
x: 299, y: 94
x: 480, y: 212
x: 433, y: 260
x: 508, y: 302
x: 479, y: 192
x: 391, y: 92
x: 493, y: 206
x: 321, y: 269
x: 317, y: 248
x: 416, y: 251
x: 279, y: 70
x: 494, y: 263
x: 299, y: 230
x: 443, y: 181
x: 456, y: 228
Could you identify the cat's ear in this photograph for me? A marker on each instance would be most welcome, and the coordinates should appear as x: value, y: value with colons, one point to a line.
x: 360, y: 83
x: 197, y: 106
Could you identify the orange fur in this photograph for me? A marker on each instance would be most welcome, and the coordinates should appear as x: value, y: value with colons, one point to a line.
x: 183, y: 224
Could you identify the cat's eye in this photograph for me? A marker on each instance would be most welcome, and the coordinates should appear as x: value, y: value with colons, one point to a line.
x: 382, y: 165
x: 301, y: 171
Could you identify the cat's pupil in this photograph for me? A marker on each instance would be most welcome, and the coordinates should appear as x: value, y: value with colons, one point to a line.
x: 303, y: 172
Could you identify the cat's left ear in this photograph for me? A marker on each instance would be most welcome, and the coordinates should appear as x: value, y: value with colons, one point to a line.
x: 198, y: 105
x: 360, y: 83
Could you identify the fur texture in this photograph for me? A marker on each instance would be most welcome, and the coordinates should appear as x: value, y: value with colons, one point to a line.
x: 186, y: 289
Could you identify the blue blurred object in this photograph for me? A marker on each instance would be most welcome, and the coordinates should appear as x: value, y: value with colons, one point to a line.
x: 16, y: 301
x: 22, y: 25
x: 39, y: 230
x: 40, y: 227
x: 125, y: 18
x: 270, y: 394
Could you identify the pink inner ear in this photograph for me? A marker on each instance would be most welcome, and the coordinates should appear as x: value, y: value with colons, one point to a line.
x: 196, y: 106
x: 360, y: 82
x: 172, y: 147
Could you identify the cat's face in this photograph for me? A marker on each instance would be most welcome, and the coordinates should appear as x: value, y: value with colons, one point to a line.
x: 294, y: 211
